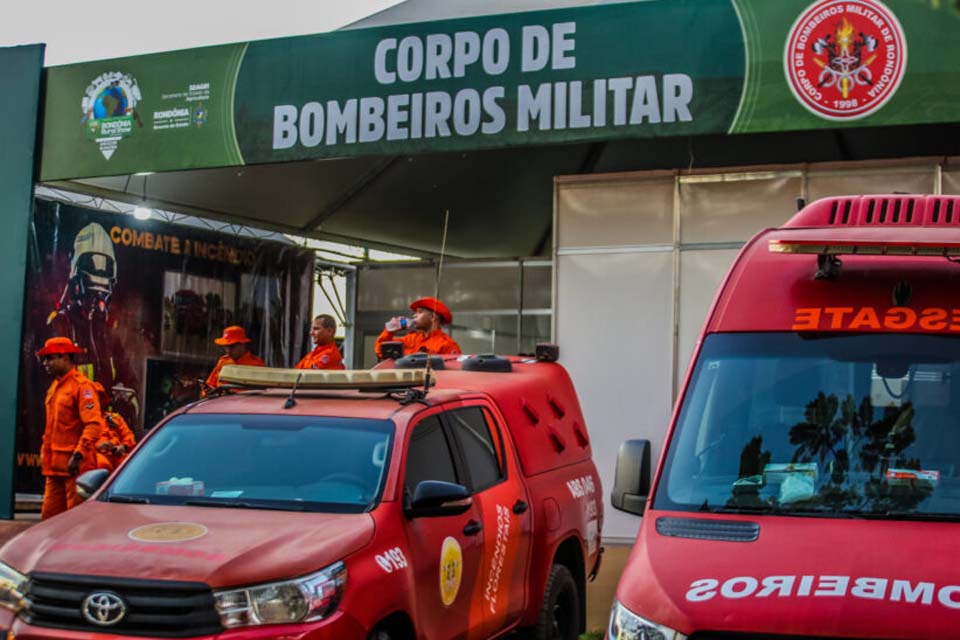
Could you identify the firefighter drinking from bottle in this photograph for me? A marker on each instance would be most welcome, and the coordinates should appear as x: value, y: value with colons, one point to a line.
x: 424, y: 332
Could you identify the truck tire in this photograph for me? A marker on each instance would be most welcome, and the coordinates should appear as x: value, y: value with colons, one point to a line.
x: 379, y: 634
x: 561, y: 609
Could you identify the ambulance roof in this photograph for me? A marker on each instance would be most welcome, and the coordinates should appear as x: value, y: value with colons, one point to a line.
x: 896, y: 261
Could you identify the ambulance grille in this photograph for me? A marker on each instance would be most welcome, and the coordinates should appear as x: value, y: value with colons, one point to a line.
x: 155, y: 608
x: 704, y: 529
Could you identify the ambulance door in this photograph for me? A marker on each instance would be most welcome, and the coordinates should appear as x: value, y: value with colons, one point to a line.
x: 445, y: 551
x: 494, y: 479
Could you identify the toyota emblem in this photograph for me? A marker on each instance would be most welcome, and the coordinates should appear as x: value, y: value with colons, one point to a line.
x: 104, y: 608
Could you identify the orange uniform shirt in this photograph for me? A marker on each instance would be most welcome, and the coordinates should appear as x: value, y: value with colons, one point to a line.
x: 248, y: 359
x: 116, y: 432
x: 74, y: 423
x: 325, y: 356
x: 434, y: 342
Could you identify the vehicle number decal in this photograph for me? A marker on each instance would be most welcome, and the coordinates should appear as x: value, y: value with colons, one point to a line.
x: 581, y: 487
x: 391, y: 560
x: 451, y: 570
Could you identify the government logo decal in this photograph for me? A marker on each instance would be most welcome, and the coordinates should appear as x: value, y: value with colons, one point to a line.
x: 109, y: 110
x: 844, y: 59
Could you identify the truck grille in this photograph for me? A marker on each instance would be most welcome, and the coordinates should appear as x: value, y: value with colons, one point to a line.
x: 156, y: 608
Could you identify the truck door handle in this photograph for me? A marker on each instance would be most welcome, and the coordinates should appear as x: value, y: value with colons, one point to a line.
x: 520, y: 507
x: 472, y: 528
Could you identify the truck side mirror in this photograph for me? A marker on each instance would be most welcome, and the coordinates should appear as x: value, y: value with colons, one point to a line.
x: 433, y: 498
x: 89, y: 482
x: 631, y: 483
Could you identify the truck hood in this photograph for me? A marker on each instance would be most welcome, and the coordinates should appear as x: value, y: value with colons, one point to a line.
x: 219, y: 546
x: 800, y: 577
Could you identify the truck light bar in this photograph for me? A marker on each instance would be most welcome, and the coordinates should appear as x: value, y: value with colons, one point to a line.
x: 275, y: 378
x: 866, y: 248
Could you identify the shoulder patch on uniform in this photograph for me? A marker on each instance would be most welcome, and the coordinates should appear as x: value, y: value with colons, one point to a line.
x: 87, y: 393
x: 324, y: 359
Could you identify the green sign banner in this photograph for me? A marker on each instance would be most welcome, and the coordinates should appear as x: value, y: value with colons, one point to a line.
x: 629, y: 70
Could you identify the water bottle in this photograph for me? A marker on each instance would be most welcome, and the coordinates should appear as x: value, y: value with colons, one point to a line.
x: 403, y: 323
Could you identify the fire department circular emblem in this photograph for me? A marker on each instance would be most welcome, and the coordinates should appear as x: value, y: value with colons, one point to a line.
x: 168, y: 532
x: 451, y: 570
x: 844, y: 59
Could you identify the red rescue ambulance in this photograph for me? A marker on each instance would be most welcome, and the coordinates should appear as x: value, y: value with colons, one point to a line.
x: 312, y: 505
x: 810, y: 481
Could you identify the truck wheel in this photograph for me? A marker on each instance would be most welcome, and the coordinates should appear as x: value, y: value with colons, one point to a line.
x: 379, y: 634
x: 560, y: 612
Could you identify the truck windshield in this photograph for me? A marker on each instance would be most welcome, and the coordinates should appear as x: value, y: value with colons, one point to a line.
x: 834, y: 425
x: 296, y: 463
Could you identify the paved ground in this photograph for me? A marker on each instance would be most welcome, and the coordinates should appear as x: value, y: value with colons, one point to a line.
x: 10, y: 528
x: 600, y: 592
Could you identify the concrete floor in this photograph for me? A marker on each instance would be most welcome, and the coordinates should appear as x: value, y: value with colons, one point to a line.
x: 600, y: 592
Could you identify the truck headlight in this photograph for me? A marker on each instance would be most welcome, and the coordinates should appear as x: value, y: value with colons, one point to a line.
x: 626, y: 625
x: 12, y: 587
x: 305, y: 599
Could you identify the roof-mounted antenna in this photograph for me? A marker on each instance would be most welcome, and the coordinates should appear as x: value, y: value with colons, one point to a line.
x: 292, y: 400
x: 436, y: 290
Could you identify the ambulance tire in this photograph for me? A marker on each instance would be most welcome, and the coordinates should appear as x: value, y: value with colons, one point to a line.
x: 561, y: 608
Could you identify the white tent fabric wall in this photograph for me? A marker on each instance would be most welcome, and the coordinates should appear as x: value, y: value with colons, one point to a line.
x: 638, y: 258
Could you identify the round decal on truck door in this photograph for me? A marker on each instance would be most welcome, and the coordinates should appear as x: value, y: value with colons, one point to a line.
x: 451, y: 570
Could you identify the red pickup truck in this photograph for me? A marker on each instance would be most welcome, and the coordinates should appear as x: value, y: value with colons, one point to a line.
x: 331, y: 505
x: 809, y: 485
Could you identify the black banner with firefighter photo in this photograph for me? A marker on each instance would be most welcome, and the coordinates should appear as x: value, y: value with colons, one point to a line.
x: 144, y: 300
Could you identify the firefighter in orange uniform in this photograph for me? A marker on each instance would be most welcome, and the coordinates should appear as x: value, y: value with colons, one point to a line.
x: 117, y: 439
x: 234, y: 342
x: 326, y: 355
x: 425, y: 334
x: 73, y: 425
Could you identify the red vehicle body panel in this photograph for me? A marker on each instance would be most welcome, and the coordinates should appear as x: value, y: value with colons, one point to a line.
x: 817, y: 577
x: 534, y: 406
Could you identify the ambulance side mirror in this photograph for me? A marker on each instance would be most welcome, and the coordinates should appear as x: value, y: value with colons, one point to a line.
x: 89, y: 482
x: 631, y: 484
x: 433, y: 498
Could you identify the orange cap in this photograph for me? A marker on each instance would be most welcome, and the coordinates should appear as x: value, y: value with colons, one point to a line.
x: 433, y: 305
x: 232, y: 335
x: 58, y: 345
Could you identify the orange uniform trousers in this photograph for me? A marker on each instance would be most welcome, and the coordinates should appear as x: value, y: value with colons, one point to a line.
x: 59, y: 494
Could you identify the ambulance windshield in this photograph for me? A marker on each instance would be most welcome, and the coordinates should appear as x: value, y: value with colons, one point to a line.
x: 819, y: 425
x: 293, y: 463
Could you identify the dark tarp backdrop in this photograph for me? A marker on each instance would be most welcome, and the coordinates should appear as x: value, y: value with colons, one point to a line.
x: 145, y: 299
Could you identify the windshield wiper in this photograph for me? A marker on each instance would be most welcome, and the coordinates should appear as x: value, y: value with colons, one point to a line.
x: 749, y: 510
x: 242, y: 504
x: 914, y: 515
x: 127, y: 499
